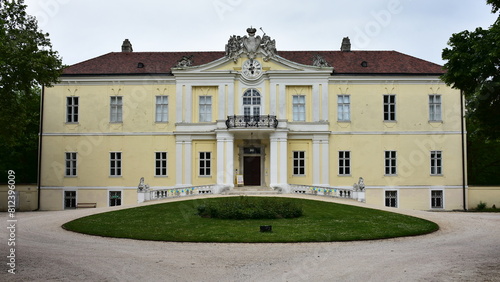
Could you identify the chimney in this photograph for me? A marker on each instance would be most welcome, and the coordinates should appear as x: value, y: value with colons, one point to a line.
x: 127, y: 46
x: 346, y: 45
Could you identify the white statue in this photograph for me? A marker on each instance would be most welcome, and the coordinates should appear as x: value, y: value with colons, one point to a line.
x: 142, y: 187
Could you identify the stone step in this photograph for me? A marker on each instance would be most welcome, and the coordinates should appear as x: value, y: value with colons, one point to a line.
x: 251, y: 190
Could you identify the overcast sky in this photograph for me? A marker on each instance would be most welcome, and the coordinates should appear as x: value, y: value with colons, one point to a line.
x: 84, y: 29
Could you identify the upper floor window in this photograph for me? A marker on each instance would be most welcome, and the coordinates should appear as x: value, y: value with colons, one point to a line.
x: 343, y: 107
x: 115, y: 163
x: 299, y: 107
x: 435, y: 107
x: 70, y: 163
x: 390, y: 162
x: 436, y: 163
x: 72, y: 109
x: 389, y: 107
x: 116, y: 109
x: 251, y: 103
x: 161, y: 108
x: 205, y: 109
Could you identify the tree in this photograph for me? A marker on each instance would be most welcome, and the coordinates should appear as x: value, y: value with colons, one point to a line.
x: 473, y: 66
x: 27, y: 61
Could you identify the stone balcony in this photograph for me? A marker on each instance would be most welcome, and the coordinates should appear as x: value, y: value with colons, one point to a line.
x: 262, y: 121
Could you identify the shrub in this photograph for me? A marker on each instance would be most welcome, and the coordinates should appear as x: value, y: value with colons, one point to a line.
x: 251, y: 208
x: 481, y: 206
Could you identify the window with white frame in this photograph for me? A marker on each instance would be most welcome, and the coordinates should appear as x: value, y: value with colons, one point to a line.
x: 115, y: 163
x: 72, y: 109
x: 205, y: 104
x: 205, y: 163
x: 343, y: 107
x: 391, y: 199
x: 389, y: 107
x: 162, y: 108
x: 390, y: 162
x: 160, y: 163
x: 344, y: 162
x: 436, y: 199
x: 115, y: 198
x: 71, y: 163
x: 251, y: 103
x: 70, y: 199
x: 436, y: 163
x: 116, y: 109
x: 435, y: 107
x: 299, y: 163
x: 299, y: 107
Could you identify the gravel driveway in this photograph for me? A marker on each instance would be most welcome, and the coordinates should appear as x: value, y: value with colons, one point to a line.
x: 466, y: 248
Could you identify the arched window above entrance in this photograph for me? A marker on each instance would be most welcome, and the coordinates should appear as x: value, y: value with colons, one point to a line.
x: 251, y: 102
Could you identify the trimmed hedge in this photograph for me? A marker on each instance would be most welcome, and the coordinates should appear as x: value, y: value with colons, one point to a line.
x: 251, y: 208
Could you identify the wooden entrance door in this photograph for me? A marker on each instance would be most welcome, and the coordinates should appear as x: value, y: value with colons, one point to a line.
x: 251, y: 170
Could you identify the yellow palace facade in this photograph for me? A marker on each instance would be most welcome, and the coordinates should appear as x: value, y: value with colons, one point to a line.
x: 316, y: 122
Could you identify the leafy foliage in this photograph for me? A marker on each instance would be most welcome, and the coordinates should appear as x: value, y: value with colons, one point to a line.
x: 27, y: 62
x: 481, y: 206
x: 473, y: 66
x: 251, y: 208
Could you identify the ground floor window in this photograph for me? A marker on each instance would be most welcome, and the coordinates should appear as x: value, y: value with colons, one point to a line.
x: 344, y: 162
x: 161, y: 163
x: 69, y: 199
x: 299, y: 163
x: 436, y: 199
x: 391, y: 199
x: 205, y: 163
x: 115, y: 198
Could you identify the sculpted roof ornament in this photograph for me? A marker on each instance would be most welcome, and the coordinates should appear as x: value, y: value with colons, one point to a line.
x: 185, y: 61
x: 319, y: 61
x: 251, y: 45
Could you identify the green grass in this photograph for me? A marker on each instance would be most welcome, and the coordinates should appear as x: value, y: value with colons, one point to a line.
x: 321, y: 222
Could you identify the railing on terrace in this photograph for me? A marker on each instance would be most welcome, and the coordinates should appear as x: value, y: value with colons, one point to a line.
x: 322, y: 191
x: 265, y: 121
x: 158, y: 194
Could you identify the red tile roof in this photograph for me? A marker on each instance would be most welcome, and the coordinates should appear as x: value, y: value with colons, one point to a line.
x: 377, y: 62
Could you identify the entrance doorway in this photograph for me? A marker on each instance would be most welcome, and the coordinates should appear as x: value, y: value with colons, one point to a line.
x: 251, y: 170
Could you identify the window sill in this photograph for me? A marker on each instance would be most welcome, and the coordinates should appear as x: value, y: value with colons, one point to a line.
x: 436, y: 175
x: 391, y: 175
x: 161, y: 176
x: 344, y: 121
x: 71, y: 176
x: 344, y: 175
x: 72, y: 123
x: 115, y: 176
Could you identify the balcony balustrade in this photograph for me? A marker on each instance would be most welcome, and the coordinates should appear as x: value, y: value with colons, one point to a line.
x: 265, y: 121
